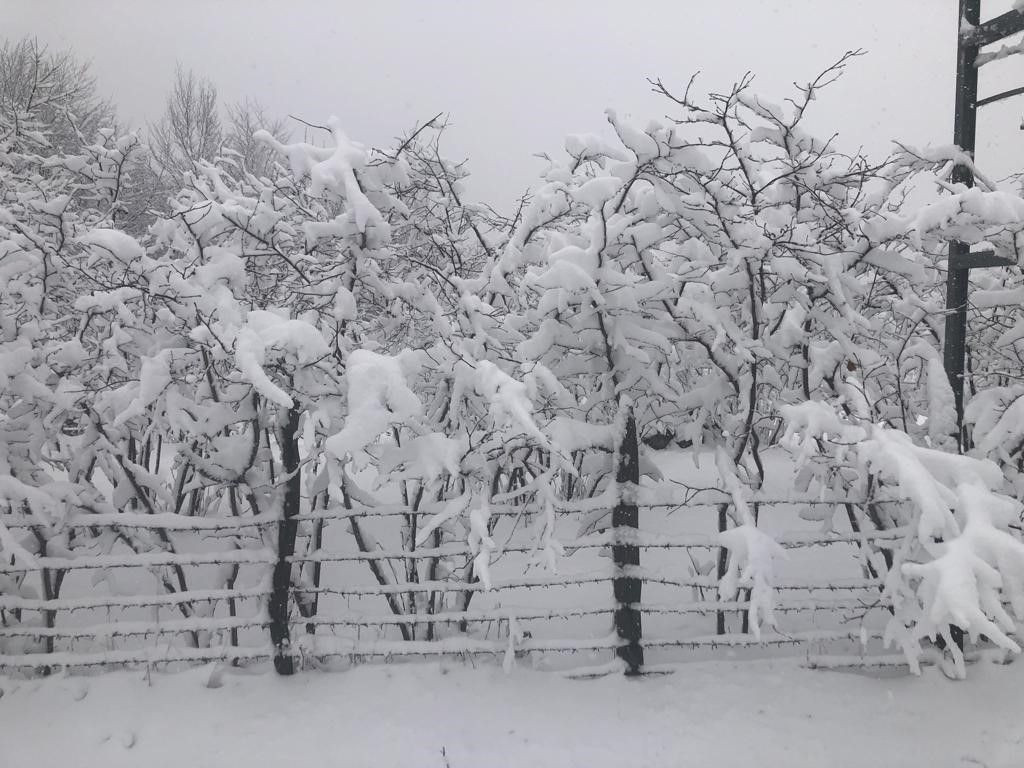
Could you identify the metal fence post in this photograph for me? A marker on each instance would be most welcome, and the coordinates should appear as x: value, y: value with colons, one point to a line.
x: 625, y: 521
x: 287, y: 528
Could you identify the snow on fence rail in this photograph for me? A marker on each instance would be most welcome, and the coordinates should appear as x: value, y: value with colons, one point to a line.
x: 200, y: 592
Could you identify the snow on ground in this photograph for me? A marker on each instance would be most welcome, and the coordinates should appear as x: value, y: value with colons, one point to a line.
x: 723, y: 713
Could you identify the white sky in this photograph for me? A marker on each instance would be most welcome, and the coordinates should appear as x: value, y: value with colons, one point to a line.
x: 517, y: 75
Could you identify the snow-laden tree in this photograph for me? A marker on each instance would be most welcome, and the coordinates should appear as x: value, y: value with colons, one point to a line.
x: 707, y: 272
x: 246, y: 153
x: 196, y: 128
x: 467, y: 438
x: 959, y: 560
x: 55, y: 203
x: 934, y: 211
x: 257, y: 285
x: 703, y: 272
x: 995, y: 339
x: 314, y: 331
x: 50, y: 94
x: 279, y: 317
x: 190, y: 129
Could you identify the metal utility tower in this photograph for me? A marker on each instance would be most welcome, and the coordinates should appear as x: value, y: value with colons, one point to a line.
x: 972, y: 35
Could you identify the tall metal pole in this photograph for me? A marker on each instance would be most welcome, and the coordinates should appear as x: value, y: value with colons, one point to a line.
x: 971, y: 35
x: 964, y: 125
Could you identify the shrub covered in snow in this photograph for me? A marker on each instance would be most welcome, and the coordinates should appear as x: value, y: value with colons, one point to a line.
x: 959, y: 560
x: 348, y: 331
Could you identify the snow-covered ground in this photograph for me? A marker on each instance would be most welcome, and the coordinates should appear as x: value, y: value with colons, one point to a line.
x: 721, y: 714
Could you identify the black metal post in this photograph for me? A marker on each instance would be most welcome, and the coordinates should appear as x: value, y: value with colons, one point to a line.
x: 957, y: 279
x: 625, y: 521
x: 971, y: 35
x: 287, y: 528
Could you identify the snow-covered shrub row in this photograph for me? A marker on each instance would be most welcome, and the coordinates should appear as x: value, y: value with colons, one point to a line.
x: 352, y: 332
x: 57, y: 210
x: 961, y: 560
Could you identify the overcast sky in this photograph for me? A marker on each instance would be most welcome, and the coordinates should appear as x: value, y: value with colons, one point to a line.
x: 518, y: 75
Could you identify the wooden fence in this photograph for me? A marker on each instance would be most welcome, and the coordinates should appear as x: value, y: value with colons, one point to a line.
x: 173, y: 589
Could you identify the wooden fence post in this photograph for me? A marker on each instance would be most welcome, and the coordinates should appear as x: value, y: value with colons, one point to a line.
x: 286, y: 531
x: 723, y: 561
x: 625, y: 521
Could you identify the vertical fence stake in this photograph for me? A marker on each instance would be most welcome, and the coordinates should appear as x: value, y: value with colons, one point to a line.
x: 723, y: 562
x: 625, y: 521
x: 287, y: 528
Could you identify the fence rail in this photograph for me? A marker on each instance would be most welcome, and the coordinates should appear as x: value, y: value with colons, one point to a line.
x: 51, y: 615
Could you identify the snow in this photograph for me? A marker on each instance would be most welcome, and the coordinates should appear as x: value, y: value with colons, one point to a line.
x: 249, y: 356
x: 221, y: 265
x: 726, y: 714
x: 103, y: 301
x: 508, y: 399
x: 451, y: 509
x: 637, y: 140
x: 941, y: 404
x: 344, y: 304
x: 264, y: 330
x: 427, y: 456
x: 574, y: 435
x: 972, y: 575
x: 1003, y: 52
x: 597, y: 192
x: 332, y: 168
x: 121, y: 246
x: 154, y: 377
x: 480, y: 542
x: 378, y: 395
x: 752, y: 553
x: 10, y: 546
x: 586, y: 145
x: 296, y: 336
